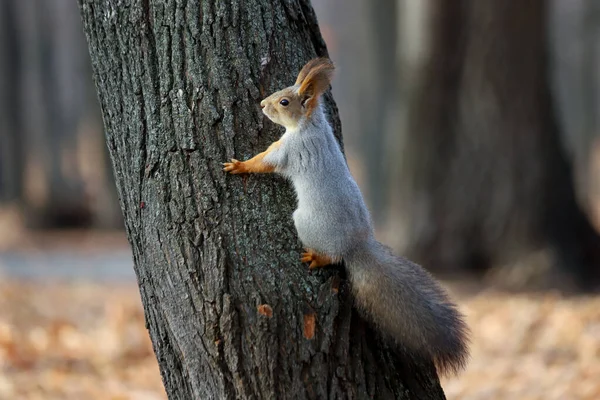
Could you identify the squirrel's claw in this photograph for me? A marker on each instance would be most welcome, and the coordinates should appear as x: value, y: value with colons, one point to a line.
x: 306, y: 257
x: 234, y: 167
x: 315, y: 260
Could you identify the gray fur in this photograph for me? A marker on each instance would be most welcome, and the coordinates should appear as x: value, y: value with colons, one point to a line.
x: 407, y: 305
x: 397, y: 296
x: 331, y: 216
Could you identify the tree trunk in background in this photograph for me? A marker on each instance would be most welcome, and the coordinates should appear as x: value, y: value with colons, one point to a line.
x: 11, y: 164
x: 231, y: 311
x: 377, y: 92
x: 52, y: 157
x: 490, y: 184
x: 575, y: 63
x: 366, y: 83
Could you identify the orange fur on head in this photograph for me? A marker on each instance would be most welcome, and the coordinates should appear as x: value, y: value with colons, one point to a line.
x: 308, y: 66
x: 314, y: 79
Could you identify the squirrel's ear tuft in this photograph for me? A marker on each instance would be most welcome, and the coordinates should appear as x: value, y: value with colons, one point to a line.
x: 314, y: 79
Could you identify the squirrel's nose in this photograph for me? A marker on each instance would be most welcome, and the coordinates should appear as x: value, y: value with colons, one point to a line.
x: 262, y: 104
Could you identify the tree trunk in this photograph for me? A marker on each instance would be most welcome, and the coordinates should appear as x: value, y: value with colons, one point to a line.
x: 376, y: 89
x: 574, y: 39
x: 230, y: 310
x: 366, y: 83
x: 11, y: 165
x: 489, y: 181
x: 52, y: 163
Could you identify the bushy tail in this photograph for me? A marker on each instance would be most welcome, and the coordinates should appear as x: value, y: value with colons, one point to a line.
x: 407, y: 305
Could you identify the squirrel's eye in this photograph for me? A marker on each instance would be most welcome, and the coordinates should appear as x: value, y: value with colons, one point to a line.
x: 284, y: 102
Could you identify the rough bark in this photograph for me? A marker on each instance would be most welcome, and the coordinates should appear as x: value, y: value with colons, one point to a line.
x: 230, y: 310
x: 490, y: 183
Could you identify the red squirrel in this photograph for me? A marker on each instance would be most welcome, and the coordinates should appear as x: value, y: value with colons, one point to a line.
x: 400, y: 298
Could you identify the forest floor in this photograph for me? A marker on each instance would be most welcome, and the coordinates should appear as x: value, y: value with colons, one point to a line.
x: 86, y: 339
x: 530, y: 346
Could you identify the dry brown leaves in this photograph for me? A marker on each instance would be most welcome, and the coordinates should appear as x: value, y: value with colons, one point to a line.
x: 75, y: 341
x: 88, y: 341
x: 530, y: 347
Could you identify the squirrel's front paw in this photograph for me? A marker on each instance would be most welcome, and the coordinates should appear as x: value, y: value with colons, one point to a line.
x: 235, y: 167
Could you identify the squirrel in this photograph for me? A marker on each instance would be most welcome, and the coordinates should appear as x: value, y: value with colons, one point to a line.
x: 401, y: 299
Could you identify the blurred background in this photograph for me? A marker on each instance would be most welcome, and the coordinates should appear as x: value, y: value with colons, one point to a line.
x: 472, y: 128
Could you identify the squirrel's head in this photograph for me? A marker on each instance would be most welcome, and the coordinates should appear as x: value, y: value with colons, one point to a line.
x: 290, y: 106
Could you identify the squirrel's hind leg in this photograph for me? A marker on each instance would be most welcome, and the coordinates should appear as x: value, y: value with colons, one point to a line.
x: 317, y: 260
